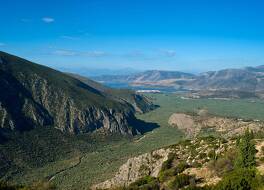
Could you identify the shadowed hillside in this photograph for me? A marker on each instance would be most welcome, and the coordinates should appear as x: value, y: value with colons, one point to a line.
x: 35, y: 95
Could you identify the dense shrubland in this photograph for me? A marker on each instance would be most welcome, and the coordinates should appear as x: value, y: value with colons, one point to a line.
x: 34, y: 186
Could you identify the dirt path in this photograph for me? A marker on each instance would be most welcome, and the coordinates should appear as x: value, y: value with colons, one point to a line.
x: 53, y: 176
x: 140, y: 139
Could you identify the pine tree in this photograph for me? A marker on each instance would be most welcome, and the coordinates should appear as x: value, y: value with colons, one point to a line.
x: 246, y: 154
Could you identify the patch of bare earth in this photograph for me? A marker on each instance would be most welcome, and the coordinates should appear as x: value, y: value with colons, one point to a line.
x: 185, y: 123
x: 227, y: 127
x: 204, y: 174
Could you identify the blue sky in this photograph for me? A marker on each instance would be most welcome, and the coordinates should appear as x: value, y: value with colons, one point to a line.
x: 186, y: 35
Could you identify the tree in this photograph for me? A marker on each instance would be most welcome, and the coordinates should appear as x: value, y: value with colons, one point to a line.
x: 244, y: 176
x: 246, y: 151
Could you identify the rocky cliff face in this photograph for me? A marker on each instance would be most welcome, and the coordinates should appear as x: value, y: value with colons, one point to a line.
x: 69, y: 116
x: 33, y: 95
x: 135, y: 168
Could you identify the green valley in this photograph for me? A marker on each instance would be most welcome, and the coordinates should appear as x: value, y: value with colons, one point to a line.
x: 98, y: 159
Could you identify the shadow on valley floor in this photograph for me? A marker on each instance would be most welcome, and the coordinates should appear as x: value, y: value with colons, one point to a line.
x: 2, y: 137
x: 143, y: 126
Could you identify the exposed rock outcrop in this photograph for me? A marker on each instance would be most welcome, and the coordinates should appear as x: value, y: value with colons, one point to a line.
x: 135, y: 168
x: 228, y: 127
x: 184, y: 122
x: 195, y: 153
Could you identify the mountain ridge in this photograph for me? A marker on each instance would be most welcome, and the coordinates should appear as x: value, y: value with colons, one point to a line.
x: 36, y: 95
x: 246, y: 79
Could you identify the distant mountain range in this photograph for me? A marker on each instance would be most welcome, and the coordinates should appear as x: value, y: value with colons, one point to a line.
x: 249, y: 79
x: 144, y: 77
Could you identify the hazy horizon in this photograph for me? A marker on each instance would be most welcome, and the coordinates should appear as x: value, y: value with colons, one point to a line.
x: 188, y: 36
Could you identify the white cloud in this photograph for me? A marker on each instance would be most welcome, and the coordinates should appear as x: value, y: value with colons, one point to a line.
x: 70, y: 37
x: 48, y: 19
x: 65, y: 53
x: 168, y: 53
x: 79, y: 53
x: 95, y: 53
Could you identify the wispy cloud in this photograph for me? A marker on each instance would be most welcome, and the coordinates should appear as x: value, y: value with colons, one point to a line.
x: 65, y: 53
x: 2, y: 44
x: 80, y: 53
x: 78, y: 35
x: 95, y: 53
x: 168, y: 53
x: 48, y: 19
x: 135, y: 54
x: 70, y: 37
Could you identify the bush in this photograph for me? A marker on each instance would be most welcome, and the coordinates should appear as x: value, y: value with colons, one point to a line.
x: 202, y: 155
x: 168, y: 163
x: 211, y: 154
x: 239, y: 179
x: 181, y: 167
x: 224, y: 164
x: 165, y: 175
x: 196, y: 164
x: 145, y: 183
x: 180, y: 181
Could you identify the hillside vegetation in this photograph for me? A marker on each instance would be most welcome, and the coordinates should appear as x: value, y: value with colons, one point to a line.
x: 140, y: 102
x: 49, y: 120
x: 102, y: 157
x: 204, y: 164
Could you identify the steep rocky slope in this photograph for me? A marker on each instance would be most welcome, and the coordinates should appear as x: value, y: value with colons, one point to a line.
x: 33, y: 95
x: 135, y: 168
x: 140, y: 102
x: 193, y: 125
x: 190, y: 164
x: 189, y: 157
